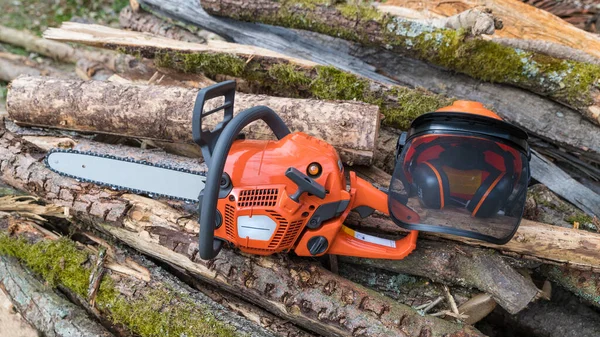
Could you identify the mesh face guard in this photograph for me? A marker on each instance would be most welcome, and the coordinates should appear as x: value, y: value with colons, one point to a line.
x: 464, y: 175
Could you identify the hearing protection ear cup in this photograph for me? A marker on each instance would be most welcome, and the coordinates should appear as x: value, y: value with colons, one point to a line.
x: 491, y: 195
x: 431, y: 184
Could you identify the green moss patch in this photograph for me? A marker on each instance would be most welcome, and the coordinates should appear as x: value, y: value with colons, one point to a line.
x: 62, y: 262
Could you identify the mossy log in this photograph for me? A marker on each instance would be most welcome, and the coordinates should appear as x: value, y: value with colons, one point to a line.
x: 298, y: 290
x: 132, y: 296
x: 569, y: 82
x: 541, y: 26
x: 165, y: 113
x: 263, y: 71
x: 51, y: 315
x: 11, y: 66
x: 535, y: 241
x: 464, y: 266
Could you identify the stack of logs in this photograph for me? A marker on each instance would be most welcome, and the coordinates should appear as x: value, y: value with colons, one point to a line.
x: 128, y: 264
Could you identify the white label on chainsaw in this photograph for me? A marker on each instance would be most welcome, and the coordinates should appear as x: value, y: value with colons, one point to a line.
x: 374, y: 239
x: 256, y: 227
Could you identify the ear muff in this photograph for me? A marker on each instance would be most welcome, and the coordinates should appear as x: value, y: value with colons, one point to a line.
x: 491, y: 195
x: 431, y: 184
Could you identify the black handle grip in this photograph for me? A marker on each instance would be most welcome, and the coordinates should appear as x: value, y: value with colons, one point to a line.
x: 207, y: 139
x: 209, y: 247
x: 305, y: 184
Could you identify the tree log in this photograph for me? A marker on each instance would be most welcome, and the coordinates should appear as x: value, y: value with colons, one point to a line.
x: 464, y: 266
x: 49, y: 313
x: 11, y: 66
x: 265, y: 71
x: 133, y: 293
x: 485, y: 60
x: 299, y: 291
x: 165, y: 113
x: 533, y: 240
x: 541, y: 25
x: 62, y: 51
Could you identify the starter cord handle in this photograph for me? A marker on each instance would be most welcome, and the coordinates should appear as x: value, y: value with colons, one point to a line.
x: 209, y: 247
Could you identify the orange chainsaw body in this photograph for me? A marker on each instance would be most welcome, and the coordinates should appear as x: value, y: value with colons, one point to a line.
x: 259, y: 217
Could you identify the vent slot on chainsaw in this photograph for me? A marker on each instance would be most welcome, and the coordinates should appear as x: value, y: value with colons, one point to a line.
x: 263, y: 197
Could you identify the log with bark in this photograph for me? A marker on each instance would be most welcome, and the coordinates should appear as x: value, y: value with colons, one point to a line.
x: 12, y: 66
x: 262, y: 70
x: 541, y: 25
x: 298, y: 290
x: 50, y: 314
x: 465, y: 266
x: 131, y: 294
x: 165, y: 113
x: 575, y: 85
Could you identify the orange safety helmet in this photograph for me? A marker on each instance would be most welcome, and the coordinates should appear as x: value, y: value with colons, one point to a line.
x: 464, y: 171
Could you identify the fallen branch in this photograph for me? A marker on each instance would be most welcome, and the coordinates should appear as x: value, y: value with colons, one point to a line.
x: 299, y: 291
x: 575, y: 85
x: 165, y: 113
x: 48, y: 312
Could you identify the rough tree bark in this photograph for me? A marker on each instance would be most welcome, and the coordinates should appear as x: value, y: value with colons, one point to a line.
x: 299, y: 291
x: 133, y: 294
x: 165, y: 113
x: 585, y: 284
x: 50, y: 314
x: 262, y: 71
x: 464, y: 266
x: 485, y: 60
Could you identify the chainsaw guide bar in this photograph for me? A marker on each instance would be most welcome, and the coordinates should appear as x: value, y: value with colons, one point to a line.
x: 128, y: 174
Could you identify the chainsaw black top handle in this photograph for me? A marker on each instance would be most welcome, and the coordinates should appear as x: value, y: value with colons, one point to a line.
x: 209, y: 247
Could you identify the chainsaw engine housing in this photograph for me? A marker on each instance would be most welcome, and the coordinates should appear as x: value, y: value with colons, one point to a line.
x: 258, y: 214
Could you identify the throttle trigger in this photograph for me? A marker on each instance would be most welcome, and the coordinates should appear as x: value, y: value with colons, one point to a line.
x: 305, y: 184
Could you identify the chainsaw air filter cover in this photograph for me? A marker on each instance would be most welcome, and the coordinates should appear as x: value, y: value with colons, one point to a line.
x: 464, y: 174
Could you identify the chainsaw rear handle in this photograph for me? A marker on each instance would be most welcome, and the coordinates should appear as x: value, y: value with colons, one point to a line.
x: 209, y: 247
x: 207, y: 139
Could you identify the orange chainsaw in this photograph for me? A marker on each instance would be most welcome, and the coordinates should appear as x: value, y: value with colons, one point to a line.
x: 291, y: 194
